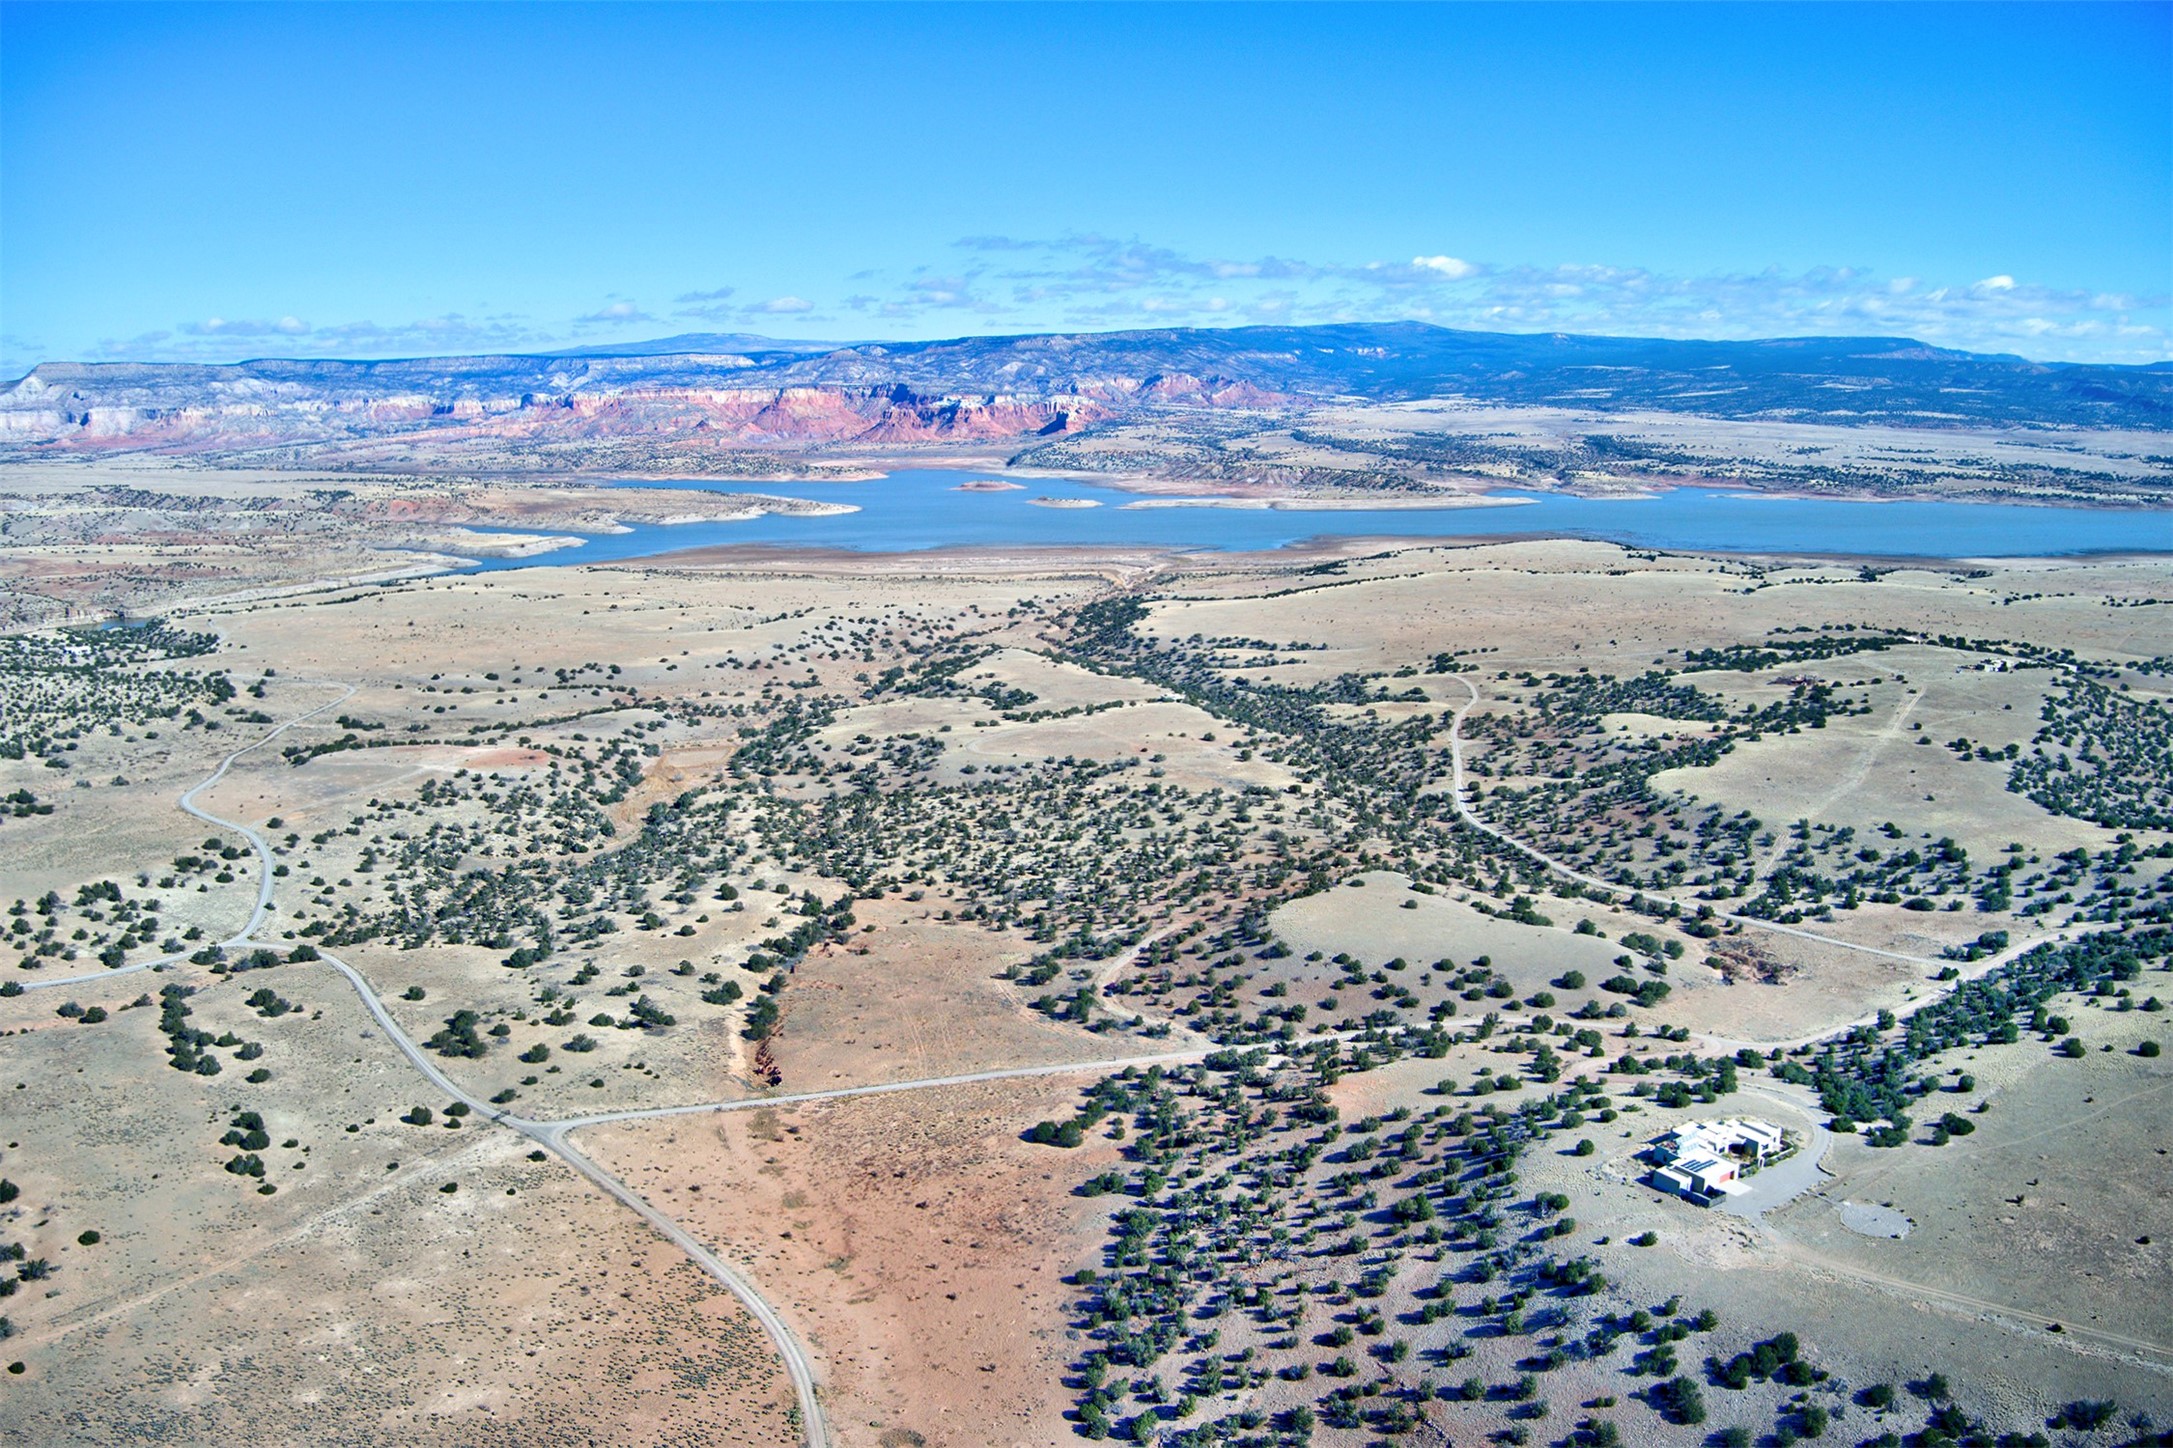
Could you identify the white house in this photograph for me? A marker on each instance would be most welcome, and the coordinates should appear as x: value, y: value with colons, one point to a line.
x: 1706, y: 1159
x: 1699, y: 1178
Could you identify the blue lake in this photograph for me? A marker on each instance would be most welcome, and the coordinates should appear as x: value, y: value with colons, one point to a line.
x: 924, y: 508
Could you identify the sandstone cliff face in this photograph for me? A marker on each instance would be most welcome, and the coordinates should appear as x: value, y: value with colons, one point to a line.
x: 1182, y: 388
x: 675, y: 409
x: 54, y: 418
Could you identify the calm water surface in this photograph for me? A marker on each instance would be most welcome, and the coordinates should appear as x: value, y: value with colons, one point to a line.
x: 923, y: 508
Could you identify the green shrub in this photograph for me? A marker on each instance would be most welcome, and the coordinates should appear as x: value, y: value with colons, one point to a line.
x: 1679, y: 1400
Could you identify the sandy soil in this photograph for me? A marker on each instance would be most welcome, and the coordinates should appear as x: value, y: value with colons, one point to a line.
x: 916, y: 1243
x: 918, y: 998
x: 2055, y: 1204
x: 360, y: 1304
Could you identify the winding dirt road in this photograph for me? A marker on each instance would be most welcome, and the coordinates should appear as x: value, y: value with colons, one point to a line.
x: 1611, y: 890
x: 553, y: 1136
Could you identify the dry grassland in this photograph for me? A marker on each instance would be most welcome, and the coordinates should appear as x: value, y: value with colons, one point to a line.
x: 361, y: 1303
x: 720, y: 758
x: 917, y: 1244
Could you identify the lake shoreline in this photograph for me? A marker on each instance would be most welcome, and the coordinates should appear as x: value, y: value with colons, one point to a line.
x: 941, y: 510
x: 1054, y: 558
x: 1153, y: 491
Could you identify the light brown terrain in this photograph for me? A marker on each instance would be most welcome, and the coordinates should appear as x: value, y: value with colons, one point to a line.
x: 917, y: 1243
x: 512, y: 734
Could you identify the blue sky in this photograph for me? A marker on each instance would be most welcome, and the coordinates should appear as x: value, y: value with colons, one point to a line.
x: 221, y: 182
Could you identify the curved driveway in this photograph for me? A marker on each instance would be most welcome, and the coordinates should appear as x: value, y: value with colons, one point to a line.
x: 1783, y: 1182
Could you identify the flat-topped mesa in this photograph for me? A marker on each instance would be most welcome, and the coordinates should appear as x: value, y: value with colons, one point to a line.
x: 1009, y: 387
x: 74, y: 421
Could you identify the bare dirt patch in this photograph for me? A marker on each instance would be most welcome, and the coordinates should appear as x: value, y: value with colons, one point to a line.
x: 917, y: 998
x: 916, y: 1243
x: 359, y: 1304
x: 2053, y: 1204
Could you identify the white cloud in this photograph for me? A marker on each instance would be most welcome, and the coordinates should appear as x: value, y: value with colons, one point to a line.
x: 708, y: 306
x: 243, y: 327
x: 1088, y: 282
x: 947, y: 292
x: 1091, y: 281
x: 226, y: 339
x: 617, y: 313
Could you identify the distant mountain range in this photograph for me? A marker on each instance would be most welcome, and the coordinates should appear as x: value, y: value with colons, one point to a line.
x: 706, y: 343
x: 736, y: 392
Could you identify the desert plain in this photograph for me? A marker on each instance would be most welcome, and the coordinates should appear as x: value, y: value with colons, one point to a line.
x: 1203, y: 998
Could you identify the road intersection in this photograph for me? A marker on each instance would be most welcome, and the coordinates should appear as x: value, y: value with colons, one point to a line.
x: 553, y: 1136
